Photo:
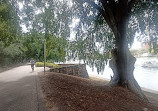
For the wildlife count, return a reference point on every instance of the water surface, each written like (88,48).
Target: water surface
(146,77)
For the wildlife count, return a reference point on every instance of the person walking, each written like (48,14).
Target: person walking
(32,64)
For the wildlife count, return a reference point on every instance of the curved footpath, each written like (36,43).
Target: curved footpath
(20,90)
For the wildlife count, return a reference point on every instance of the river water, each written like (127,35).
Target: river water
(146,77)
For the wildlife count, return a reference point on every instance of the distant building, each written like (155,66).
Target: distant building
(146,44)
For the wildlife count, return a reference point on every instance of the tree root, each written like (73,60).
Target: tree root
(130,85)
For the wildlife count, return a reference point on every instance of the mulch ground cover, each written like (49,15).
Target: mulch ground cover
(68,93)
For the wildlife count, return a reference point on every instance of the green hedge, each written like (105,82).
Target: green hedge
(41,64)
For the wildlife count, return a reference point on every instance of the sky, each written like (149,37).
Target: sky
(136,45)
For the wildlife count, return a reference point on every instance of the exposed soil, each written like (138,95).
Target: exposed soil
(68,93)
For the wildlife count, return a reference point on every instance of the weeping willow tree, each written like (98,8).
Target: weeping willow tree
(102,28)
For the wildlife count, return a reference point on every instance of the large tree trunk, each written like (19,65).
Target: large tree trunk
(122,62)
(123,67)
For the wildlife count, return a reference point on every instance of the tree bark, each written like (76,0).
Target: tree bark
(123,67)
(122,62)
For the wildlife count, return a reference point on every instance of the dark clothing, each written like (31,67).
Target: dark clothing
(32,64)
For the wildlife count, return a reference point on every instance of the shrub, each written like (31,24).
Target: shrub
(41,64)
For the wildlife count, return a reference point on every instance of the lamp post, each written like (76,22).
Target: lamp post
(44,54)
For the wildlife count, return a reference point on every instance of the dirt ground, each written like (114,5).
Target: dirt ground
(68,93)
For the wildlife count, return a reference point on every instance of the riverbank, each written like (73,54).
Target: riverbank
(146,77)
(69,93)
(152,95)
(97,78)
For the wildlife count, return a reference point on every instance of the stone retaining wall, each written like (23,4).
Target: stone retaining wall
(72,69)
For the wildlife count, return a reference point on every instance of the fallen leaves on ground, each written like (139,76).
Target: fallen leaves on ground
(68,93)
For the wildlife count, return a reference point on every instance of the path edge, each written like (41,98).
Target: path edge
(40,95)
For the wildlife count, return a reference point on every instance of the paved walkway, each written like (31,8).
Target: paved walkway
(20,90)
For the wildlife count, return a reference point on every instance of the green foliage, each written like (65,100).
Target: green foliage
(9,27)
(10,46)
(93,55)
(10,54)
(152,51)
(51,24)
(55,47)
(32,46)
(94,38)
(41,64)
(53,17)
